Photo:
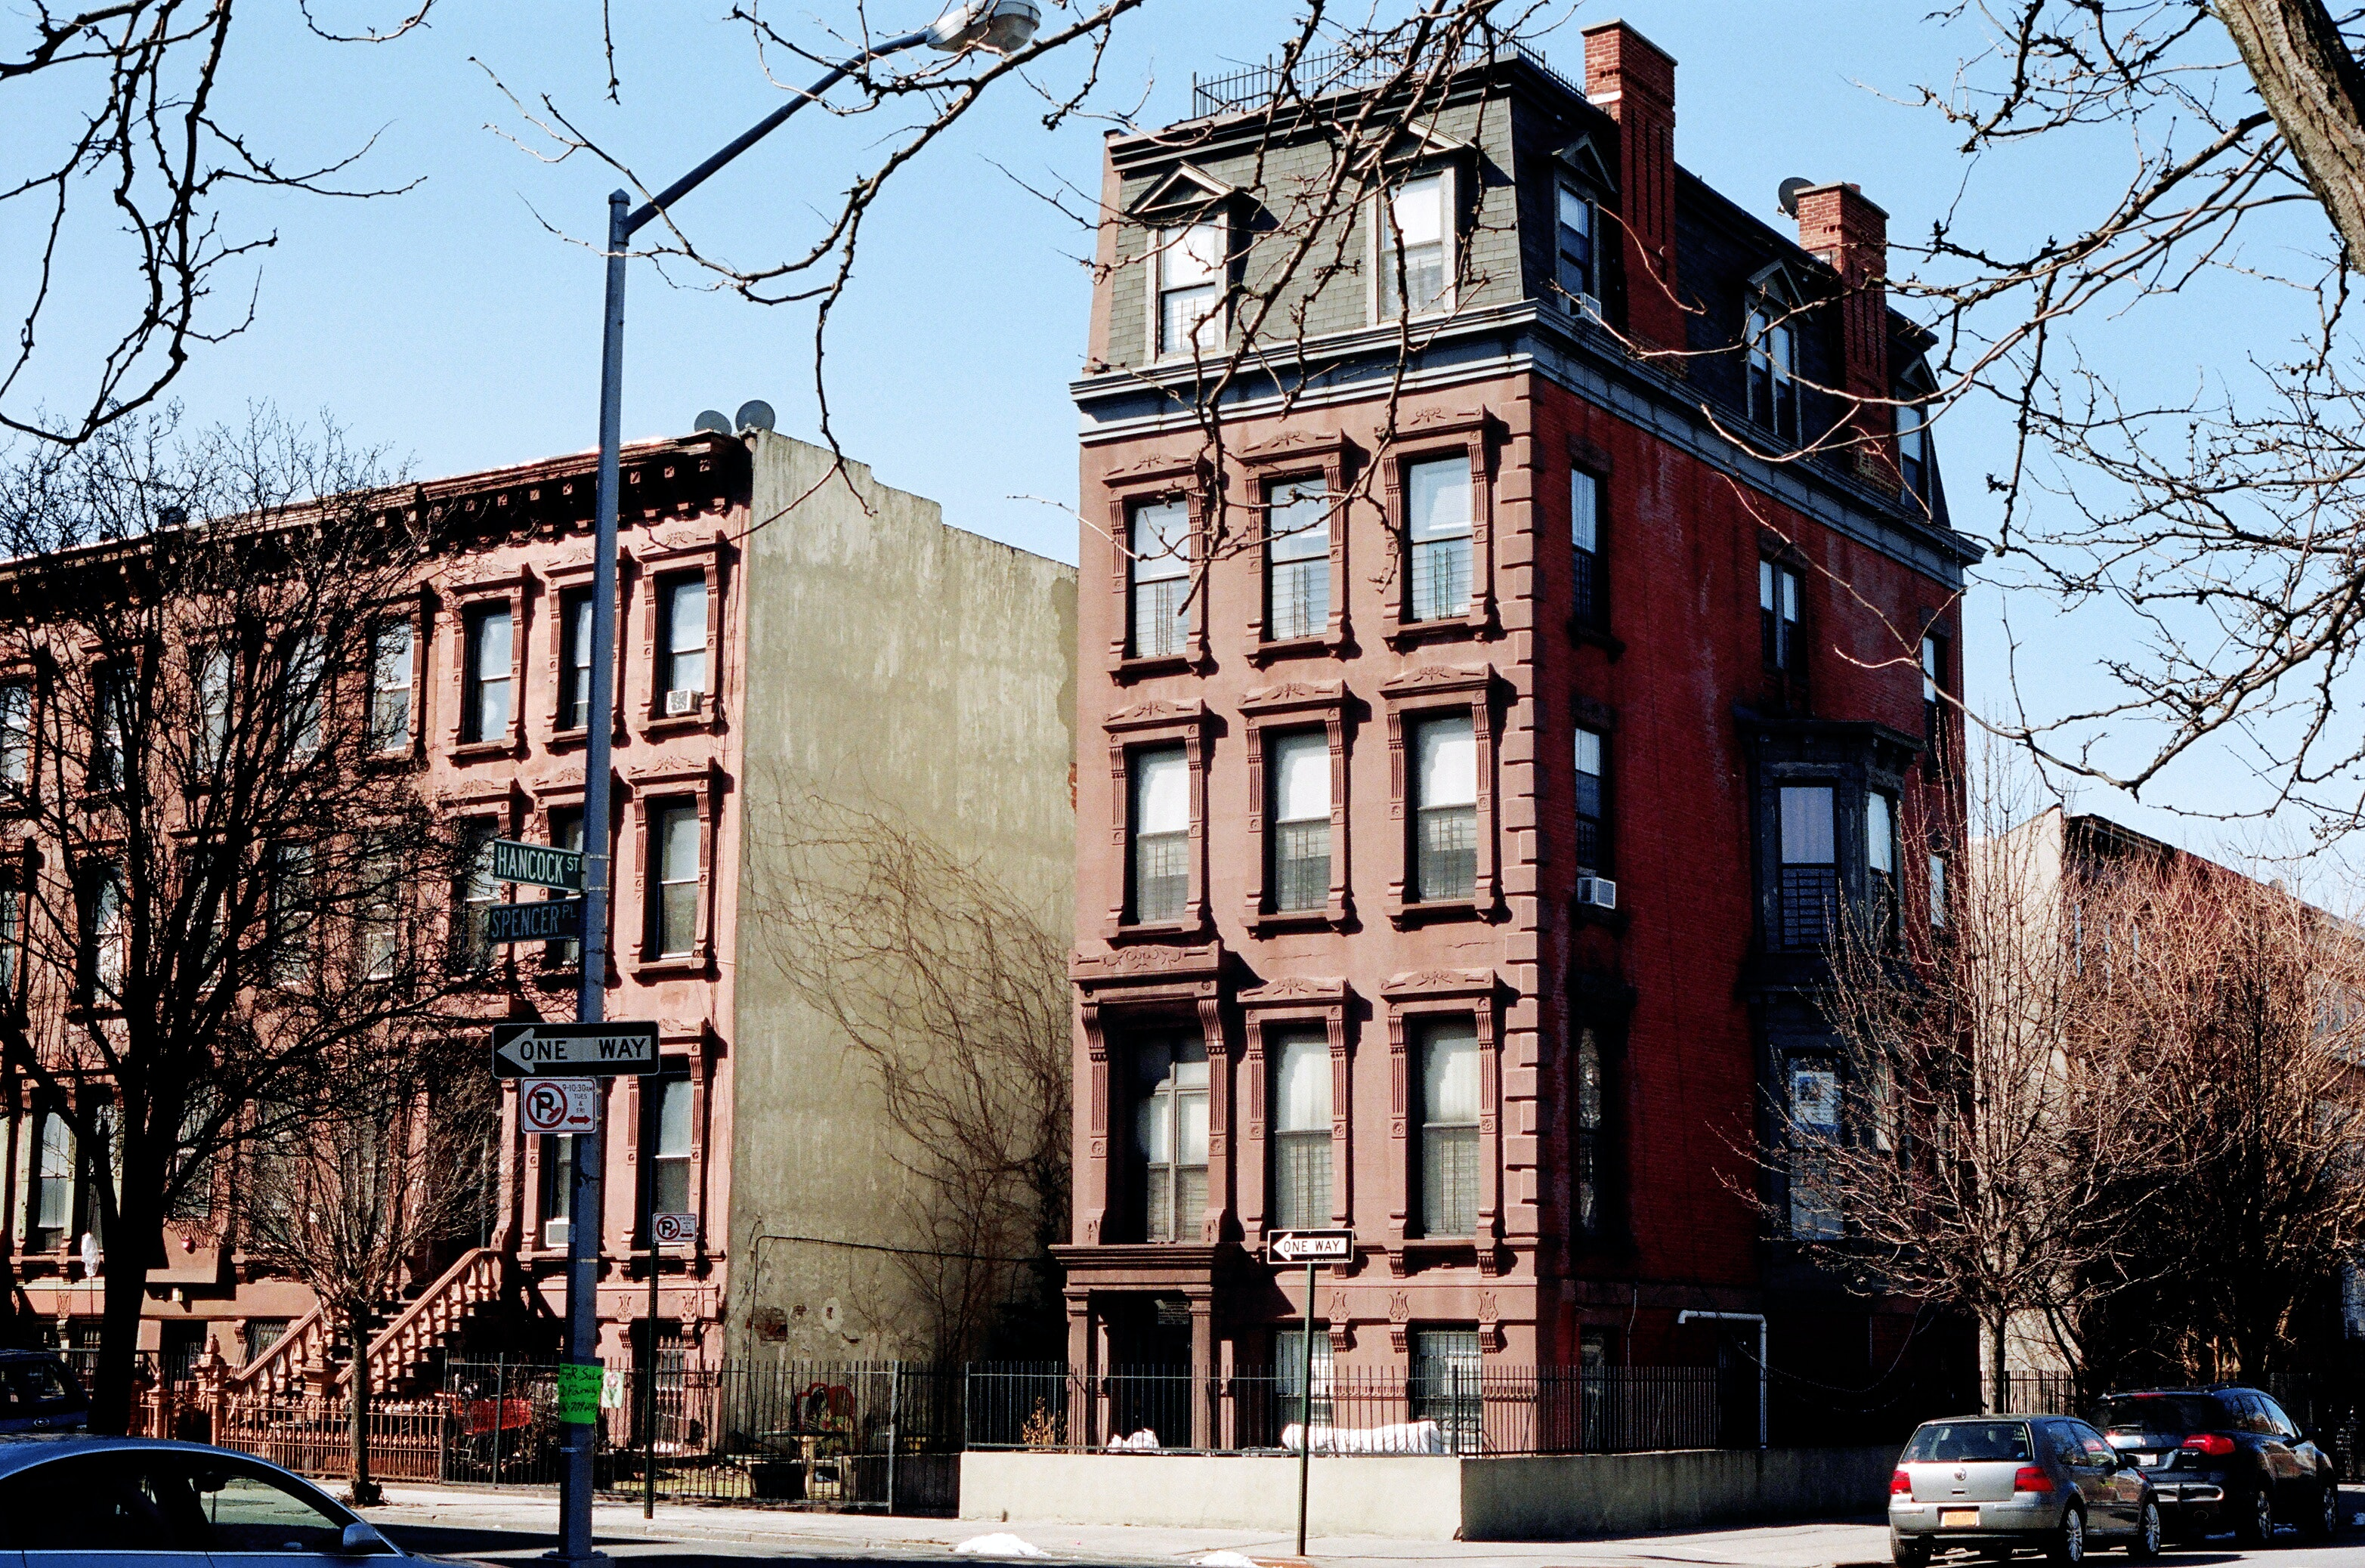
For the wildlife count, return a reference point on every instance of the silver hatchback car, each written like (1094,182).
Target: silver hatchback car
(2007,1482)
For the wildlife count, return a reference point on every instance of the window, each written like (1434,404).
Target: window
(1934,666)
(379,900)
(16,735)
(1810,873)
(390,677)
(1437,530)
(1590,1156)
(1777,614)
(1299,794)
(262,1333)
(307,676)
(1880,861)
(666,1138)
(558,1188)
(50,1214)
(1414,264)
(1445,809)
(1938,892)
(111,730)
(12,943)
(1575,234)
(213,715)
(1170,1138)
(1159,573)
(672,847)
(1289,1370)
(566,833)
(485,701)
(1445,1384)
(1191,267)
(1160,865)
(290,914)
(1301,1130)
(681,657)
(1592,839)
(1296,560)
(1590,601)
(1773,369)
(1814,1123)
(1913,449)
(1447,1171)
(102,912)
(257,1514)
(473,893)
(574,659)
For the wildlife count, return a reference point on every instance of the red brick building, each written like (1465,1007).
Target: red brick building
(1455,855)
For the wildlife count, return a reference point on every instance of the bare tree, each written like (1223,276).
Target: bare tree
(953,991)
(216,851)
(351,1203)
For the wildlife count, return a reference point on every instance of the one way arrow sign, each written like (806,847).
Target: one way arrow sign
(573,1050)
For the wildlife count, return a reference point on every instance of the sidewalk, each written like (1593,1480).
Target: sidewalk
(516,1525)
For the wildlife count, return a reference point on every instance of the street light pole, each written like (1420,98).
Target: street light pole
(998,25)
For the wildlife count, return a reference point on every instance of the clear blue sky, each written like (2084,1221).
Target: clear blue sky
(449,325)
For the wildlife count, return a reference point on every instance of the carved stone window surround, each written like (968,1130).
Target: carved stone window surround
(1151,723)
(1134,986)
(1420,692)
(1301,454)
(703,787)
(1156,479)
(461,599)
(561,581)
(1293,999)
(1293,706)
(1427,435)
(416,610)
(1444,993)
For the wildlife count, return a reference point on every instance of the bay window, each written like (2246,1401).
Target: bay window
(1814,1127)
(1880,862)
(1808,894)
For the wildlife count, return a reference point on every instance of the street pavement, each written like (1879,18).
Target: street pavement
(511,1526)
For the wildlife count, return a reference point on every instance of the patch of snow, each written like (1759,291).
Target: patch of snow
(1224,1560)
(1003,1544)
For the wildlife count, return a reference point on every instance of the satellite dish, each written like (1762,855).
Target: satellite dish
(714,423)
(1787,193)
(755,414)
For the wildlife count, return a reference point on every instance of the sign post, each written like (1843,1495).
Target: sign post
(1312,1248)
(665,1230)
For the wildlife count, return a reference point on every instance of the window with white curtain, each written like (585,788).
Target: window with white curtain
(1440,524)
(1416,254)
(1159,861)
(1170,1137)
(1445,809)
(1297,560)
(1158,575)
(486,696)
(1447,1165)
(1191,267)
(1300,798)
(1301,1129)
(682,636)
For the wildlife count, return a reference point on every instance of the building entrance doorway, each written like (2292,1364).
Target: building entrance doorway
(1151,1375)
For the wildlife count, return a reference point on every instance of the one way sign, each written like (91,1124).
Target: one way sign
(573,1050)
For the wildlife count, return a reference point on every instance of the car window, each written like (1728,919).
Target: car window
(2172,1413)
(2062,1438)
(2278,1418)
(38,1384)
(1957,1443)
(249,1510)
(127,1500)
(2249,1415)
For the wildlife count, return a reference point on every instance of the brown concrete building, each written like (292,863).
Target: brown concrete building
(1454,854)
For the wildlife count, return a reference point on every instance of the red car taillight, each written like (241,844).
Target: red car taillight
(1901,1484)
(2032,1478)
(2210,1443)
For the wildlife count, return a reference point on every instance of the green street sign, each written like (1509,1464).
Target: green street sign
(538,864)
(578,1393)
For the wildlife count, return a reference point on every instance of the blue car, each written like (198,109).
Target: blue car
(73,1501)
(37,1394)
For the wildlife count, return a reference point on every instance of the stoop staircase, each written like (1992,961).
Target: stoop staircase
(396,1353)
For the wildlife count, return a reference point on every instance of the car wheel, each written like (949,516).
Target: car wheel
(1908,1552)
(2067,1548)
(2324,1523)
(2144,1545)
(2253,1522)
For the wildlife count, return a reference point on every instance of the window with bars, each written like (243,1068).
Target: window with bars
(1808,894)
(1170,1137)
(1301,1129)
(390,681)
(474,893)
(674,874)
(1289,1370)
(1444,1385)
(260,1333)
(1590,1125)
(1880,863)
(1447,1168)
(1296,560)
(1590,600)
(1299,793)
(1438,529)
(1416,253)
(1158,575)
(1592,833)
(1574,231)
(1158,835)
(666,1137)
(681,639)
(485,681)
(574,659)
(1773,369)
(1192,264)
(1444,809)
(1777,614)
(557,1195)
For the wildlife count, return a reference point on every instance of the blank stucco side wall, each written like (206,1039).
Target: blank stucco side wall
(904,668)
(1545,1498)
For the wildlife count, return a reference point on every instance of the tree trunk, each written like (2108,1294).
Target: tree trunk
(2312,84)
(365,1493)
(1999,1400)
(139,1221)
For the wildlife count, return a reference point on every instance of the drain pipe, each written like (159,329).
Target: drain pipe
(1759,1319)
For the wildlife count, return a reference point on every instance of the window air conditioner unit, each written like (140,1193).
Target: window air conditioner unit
(678,703)
(1598,892)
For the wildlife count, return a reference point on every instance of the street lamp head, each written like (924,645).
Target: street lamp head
(1000,25)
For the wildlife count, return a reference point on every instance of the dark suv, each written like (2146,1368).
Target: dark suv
(39,1395)
(2225,1459)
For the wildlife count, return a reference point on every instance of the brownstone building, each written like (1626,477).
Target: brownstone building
(1456,847)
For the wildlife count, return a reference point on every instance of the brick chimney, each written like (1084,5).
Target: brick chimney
(1837,224)
(1633,81)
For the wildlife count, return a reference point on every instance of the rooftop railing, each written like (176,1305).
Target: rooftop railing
(1346,69)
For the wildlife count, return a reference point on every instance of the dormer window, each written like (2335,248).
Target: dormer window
(1415,256)
(1773,369)
(1190,265)
(1577,276)
(1914,450)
